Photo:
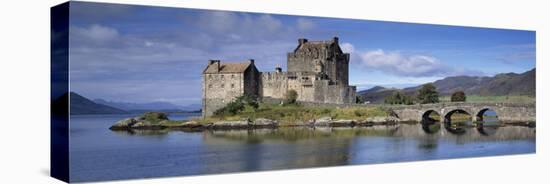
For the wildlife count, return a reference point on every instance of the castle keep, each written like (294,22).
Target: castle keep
(317,71)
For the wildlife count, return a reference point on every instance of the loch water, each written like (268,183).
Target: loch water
(97,153)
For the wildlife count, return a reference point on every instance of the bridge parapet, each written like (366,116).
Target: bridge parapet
(506,112)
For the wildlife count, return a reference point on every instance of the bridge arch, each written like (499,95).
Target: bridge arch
(479,114)
(430,125)
(447,114)
(426,114)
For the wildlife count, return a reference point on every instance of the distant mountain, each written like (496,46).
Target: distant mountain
(82,105)
(498,85)
(376,94)
(151,106)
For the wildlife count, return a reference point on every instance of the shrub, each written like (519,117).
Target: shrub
(238,105)
(428,94)
(458,96)
(359,100)
(154,117)
(291,96)
(359,113)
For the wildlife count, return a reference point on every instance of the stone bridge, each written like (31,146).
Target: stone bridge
(506,112)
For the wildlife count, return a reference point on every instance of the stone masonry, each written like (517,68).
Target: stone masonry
(317,71)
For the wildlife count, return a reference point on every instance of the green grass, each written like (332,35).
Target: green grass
(294,113)
(475,98)
(172,123)
(154,117)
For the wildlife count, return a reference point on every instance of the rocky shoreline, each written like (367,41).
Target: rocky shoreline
(156,120)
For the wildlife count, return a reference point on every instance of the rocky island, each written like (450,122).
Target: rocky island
(160,120)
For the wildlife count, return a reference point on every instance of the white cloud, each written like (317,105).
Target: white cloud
(231,26)
(397,63)
(304,24)
(95,33)
(218,21)
(406,65)
(347,47)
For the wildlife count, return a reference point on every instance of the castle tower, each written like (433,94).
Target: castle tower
(325,57)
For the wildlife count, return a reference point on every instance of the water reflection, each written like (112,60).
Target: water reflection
(487,130)
(455,129)
(430,126)
(413,131)
(98,152)
(261,149)
(297,134)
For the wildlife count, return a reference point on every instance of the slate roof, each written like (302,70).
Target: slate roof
(228,67)
(320,45)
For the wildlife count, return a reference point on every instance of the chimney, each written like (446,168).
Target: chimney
(302,41)
(335,39)
(251,61)
(215,62)
(211,62)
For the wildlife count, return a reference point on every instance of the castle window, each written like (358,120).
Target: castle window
(223,85)
(209,85)
(222,76)
(232,85)
(232,76)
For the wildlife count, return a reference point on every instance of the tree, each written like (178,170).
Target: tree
(428,94)
(291,96)
(399,98)
(458,96)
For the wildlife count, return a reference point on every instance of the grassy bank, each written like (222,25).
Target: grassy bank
(511,99)
(295,113)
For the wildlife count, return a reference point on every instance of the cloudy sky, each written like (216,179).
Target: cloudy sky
(144,54)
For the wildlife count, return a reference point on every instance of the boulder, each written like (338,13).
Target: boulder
(323,121)
(230,124)
(191,124)
(144,124)
(364,123)
(392,119)
(124,124)
(380,120)
(148,120)
(264,123)
(376,119)
(342,123)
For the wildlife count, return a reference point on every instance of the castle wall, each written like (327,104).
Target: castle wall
(335,94)
(220,89)
(342,71)
(309,88)
(273,84)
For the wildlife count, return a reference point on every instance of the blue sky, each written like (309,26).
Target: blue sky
(144,54)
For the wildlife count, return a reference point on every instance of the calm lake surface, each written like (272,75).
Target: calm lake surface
(96,153)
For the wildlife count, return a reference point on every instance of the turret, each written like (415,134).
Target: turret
(278,68)
(302,41)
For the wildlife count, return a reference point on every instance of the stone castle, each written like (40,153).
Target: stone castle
(317,71)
